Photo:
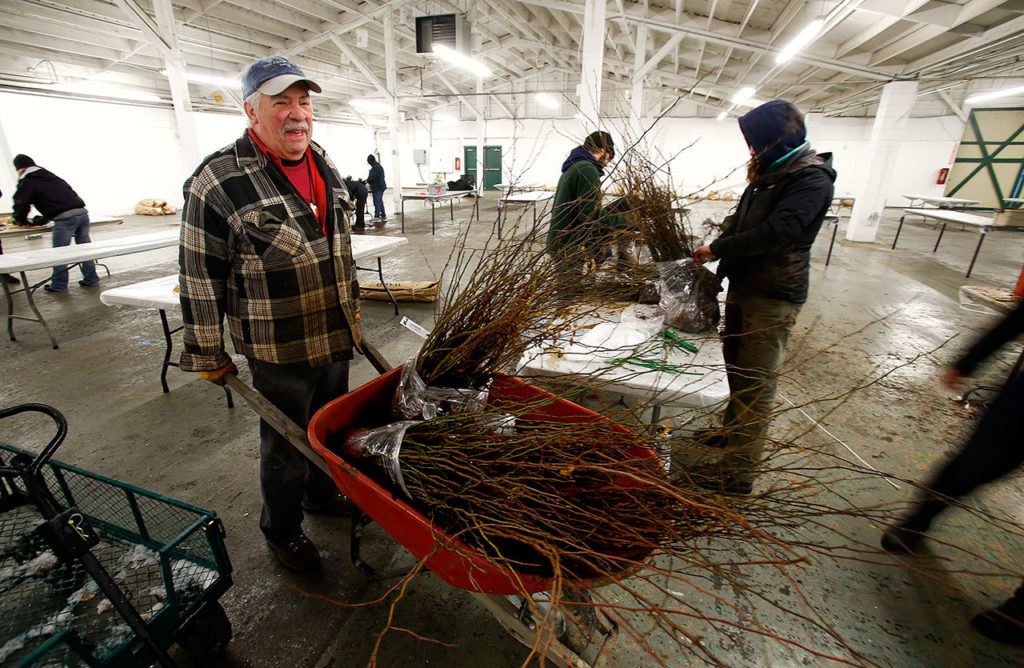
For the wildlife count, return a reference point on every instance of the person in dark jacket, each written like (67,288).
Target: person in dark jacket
(357,191)
(765,251)
(377,185)
(580,226)
(56,201)
(992,452)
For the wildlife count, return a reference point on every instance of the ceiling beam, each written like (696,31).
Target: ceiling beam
(925,33)
(658,56)
(714,37)
(360,65)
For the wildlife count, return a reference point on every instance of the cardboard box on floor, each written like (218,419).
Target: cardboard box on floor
(1009,218)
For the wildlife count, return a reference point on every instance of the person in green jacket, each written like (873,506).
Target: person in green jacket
(580,226)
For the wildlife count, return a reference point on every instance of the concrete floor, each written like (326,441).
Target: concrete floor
(872,310)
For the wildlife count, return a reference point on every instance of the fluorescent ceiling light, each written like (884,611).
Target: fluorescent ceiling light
(546,100)
(743,95)
(994,95)
(461,60)
(752,102)
(98,89)
(446,118)
(802,39)
(371,105)
(722,116)
(209,79)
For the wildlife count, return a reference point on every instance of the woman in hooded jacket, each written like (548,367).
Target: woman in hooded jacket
(765,251)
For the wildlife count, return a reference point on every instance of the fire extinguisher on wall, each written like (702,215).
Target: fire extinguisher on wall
(943,175)
(458,164)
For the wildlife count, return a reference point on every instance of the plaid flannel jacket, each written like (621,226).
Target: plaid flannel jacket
(252,250)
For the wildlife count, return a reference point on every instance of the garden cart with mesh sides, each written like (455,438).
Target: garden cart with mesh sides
(97,572)
(584,640)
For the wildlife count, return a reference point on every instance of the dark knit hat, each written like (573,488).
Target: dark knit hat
(21,161)
(774,130)
(596,141)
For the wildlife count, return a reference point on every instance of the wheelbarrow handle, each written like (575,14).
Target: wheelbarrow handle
(44,456)
(281,423)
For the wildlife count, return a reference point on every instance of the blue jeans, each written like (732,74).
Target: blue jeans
(299,390)
(77,228)
(378,204)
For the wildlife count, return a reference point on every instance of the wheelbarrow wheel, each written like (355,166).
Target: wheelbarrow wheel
(206,632)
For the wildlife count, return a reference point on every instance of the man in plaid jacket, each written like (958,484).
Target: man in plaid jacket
(265,242)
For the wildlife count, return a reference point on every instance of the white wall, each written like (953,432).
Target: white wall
(714,156)
(115,155)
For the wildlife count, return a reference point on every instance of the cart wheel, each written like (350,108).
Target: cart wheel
(206,632)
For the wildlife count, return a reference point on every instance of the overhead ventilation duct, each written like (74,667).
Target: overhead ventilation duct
(451,30)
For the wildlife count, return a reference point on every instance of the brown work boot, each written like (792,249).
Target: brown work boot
(298,554)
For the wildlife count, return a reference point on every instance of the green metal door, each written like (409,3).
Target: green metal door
(469,161)
(492,165)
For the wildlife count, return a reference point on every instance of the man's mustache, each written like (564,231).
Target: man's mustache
(289,127)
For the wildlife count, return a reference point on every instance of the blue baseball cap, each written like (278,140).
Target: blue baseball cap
(273,75)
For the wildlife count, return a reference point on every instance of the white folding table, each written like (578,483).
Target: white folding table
(701,383)
(511,188)
(946,216)
(162,293)
(44,258)
(940,202)
(534,197)
(449,197)
(33,230)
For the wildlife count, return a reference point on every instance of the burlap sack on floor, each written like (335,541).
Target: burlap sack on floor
(404,291)
(154,207)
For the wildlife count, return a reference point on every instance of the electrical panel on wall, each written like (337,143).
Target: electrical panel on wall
(419,156)
(451,30)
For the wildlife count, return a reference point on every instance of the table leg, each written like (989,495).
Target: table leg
(451,209)
(10,305)
(835,228)
(939,240)
(169,346)
(403,215)
(380,274)
(535,215)
(900,227)
(32,304)
(432,210)
(167,356)
(977,248)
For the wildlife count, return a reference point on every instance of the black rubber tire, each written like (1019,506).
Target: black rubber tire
(207,632)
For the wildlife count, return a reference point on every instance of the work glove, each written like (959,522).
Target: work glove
(217,376)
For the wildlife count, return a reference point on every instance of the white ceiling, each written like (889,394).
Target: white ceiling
(701,50)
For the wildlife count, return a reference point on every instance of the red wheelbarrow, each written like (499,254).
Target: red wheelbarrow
(456,563)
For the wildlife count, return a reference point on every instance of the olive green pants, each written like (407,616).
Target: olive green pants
(754,346)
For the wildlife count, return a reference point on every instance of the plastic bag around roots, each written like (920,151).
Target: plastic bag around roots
(380,448)
(415,400)
(689,295)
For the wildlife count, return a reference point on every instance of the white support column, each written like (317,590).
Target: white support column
(480,136)
(893,111)
(591,74)
(8,175)
(395,175)
(188,140)
(636,100)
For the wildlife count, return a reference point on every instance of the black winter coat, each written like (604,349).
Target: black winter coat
(766,245)
(47,192)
